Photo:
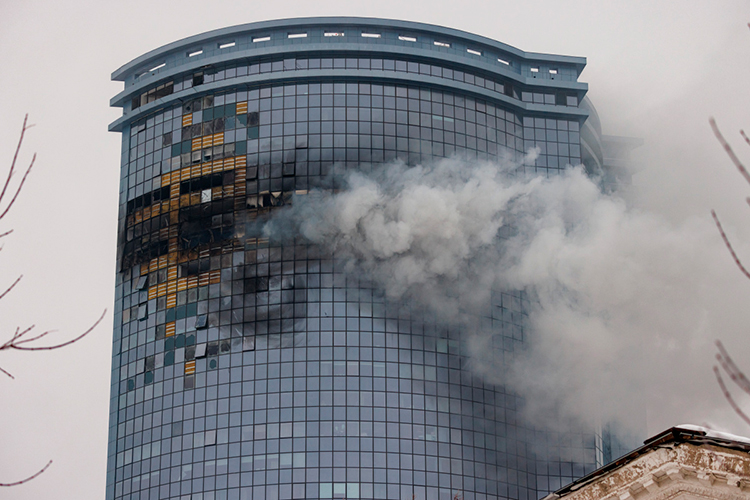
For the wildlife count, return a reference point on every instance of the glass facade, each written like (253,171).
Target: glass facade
(245,368)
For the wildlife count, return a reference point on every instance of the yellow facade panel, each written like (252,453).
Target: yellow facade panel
(170,329)
(187,119)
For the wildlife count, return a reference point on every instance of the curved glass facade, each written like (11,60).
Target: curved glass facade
(246,368)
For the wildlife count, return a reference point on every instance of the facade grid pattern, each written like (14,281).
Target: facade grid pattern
(247,368)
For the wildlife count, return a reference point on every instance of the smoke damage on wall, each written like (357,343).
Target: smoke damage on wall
(622,305)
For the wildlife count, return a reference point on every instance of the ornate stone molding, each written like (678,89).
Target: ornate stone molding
(673,471)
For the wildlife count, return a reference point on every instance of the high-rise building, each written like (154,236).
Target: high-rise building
(247,368)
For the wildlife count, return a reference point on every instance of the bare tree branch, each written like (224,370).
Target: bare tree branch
(19,339)
(16,483)
(725,361)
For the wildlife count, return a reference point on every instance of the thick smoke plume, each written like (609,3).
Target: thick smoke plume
(623,306)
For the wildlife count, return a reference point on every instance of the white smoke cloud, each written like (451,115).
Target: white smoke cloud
(623,308)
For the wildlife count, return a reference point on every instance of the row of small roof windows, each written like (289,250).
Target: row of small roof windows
(404,38)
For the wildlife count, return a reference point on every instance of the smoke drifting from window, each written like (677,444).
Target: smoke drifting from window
(623,305)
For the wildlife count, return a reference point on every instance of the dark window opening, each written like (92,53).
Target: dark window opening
(206,182)
(147,199)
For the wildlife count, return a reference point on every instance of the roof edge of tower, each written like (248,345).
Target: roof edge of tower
(138,63)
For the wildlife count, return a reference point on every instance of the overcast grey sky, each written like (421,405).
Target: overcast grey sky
(656,69)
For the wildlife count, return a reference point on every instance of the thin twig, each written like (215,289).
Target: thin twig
(729,150)
(28,478)
(737,376)
(11,287)
(32,339)
(729,245)
(729,397)
(11,171)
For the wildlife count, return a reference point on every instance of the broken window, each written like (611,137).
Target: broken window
(225,346)
(200,351)
(142,282)
(201,321)
(212,349)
